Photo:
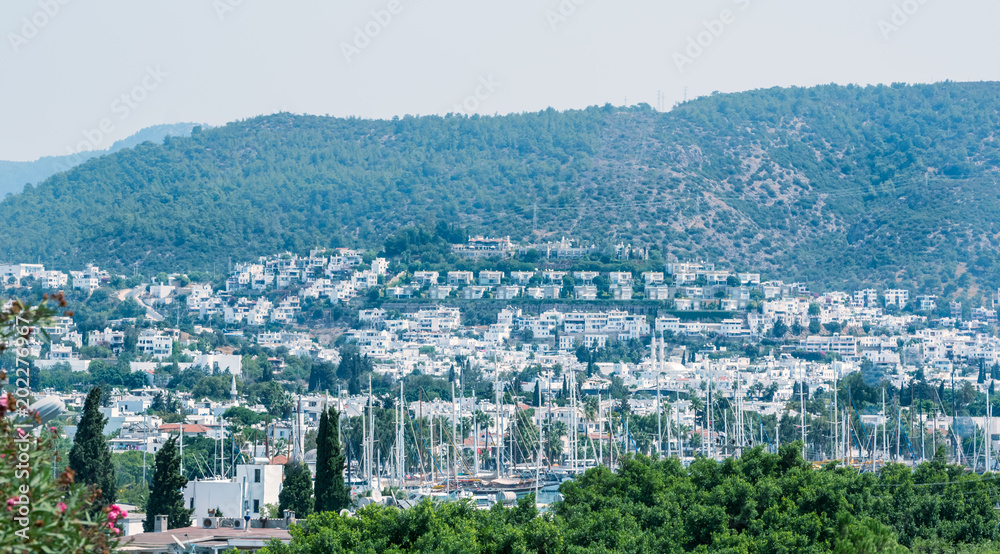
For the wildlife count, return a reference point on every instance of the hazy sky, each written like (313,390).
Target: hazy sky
(69,68)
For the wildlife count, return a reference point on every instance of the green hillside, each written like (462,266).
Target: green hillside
(834,185)
(14,175)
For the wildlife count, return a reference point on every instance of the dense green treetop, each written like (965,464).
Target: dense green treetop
(762,503)
(166,495)
(296,490)
(90,456)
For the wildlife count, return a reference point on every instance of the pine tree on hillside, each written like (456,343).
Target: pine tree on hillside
(332,494)
(297,490)
(165,496)
(90,457)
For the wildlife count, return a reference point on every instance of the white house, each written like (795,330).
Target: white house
(155,343)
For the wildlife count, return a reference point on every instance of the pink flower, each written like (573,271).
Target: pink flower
(20,431)
(115,513)
(62,506)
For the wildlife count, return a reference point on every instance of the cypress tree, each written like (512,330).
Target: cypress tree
(332,494)
(296,492)
(90,457)
(538,392)
(165,493)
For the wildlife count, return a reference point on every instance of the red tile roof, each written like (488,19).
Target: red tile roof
(191,428)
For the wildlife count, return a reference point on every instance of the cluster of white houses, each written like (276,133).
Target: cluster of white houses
(887,329)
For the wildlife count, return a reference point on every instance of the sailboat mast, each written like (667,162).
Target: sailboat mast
(600,428)
(498,434)
(659,423)
(454,432)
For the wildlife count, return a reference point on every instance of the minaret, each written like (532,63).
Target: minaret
(653,352)
(663,352)
(298,452)
(232,390)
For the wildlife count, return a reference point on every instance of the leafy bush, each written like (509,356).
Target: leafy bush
(46,514)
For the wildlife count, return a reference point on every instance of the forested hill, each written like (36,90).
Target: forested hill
(830,184)
(14,175)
